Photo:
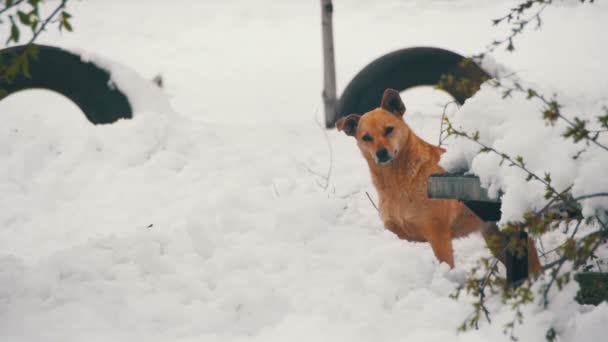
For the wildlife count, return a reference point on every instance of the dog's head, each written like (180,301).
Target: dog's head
(380,133)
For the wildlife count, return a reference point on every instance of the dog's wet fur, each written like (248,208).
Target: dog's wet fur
(400,163)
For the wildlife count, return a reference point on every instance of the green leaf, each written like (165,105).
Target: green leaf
(68,26)
(33,3)
(11,71)
(550,115)
(476,136)
(24,18)
(14,32)
(603,120)
(64,21)
(510,46)
(34,51)
(25,66)
(34,25)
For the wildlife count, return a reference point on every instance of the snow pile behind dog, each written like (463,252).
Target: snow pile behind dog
(193,224)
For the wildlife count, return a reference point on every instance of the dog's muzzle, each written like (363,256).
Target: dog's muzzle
(383,156)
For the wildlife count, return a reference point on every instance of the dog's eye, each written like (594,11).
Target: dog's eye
(367,138)
(388,130)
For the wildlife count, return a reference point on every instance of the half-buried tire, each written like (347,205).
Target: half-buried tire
(85,83)
(407,68)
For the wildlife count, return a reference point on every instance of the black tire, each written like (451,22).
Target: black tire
(86,84)
(405,69)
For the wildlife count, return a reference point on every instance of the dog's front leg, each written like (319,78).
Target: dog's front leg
(395,228)
(441,242)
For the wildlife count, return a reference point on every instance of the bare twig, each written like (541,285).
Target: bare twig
(443,116)
(482,295)
(350,194)
(276,191)
(329,147)
(560,196)
(518,25)
(599,194)
(577,127)
(557,266)
(517,163)
(16,3)
(371,200)
(47,21)
(555,105)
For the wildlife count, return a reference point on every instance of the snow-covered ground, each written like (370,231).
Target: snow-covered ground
(222,211)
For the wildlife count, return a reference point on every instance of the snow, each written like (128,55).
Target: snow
(223,212)
(515,126)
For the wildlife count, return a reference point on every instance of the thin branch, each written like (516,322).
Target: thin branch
(598,130)
(482,295)
(371,200)
(541,246)
(604,226)
(570,123)
(549,204)
(518,25)
(555,272)
(443,116)
(16,3)
(504,156)
(47,21)
(601,233)
(553,108)
(598,194)
(331,151)
(276,191)
(313,172)
(350,194)
(327,176)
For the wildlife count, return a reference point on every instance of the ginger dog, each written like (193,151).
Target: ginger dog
(400,163)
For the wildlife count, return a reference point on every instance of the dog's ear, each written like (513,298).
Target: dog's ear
(391,101)
(349,124)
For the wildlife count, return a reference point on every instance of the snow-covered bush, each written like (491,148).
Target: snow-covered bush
(546,156)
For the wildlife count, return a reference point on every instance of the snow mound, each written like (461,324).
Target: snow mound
(144,95)
(514,126)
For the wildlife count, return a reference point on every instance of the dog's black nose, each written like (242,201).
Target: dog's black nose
(382,155)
